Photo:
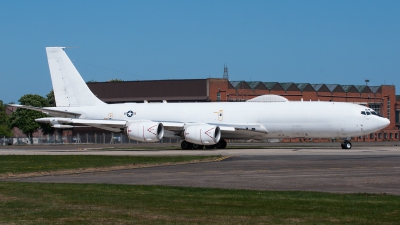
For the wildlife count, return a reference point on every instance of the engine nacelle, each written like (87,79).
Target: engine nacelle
(145,131)
(202,134)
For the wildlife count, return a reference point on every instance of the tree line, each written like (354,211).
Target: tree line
(24,119)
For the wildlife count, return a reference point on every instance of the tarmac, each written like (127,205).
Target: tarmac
(367,168)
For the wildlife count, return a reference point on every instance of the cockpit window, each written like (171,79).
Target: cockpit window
(369,112)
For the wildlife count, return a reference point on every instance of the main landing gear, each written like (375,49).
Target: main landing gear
(187,145)
(346,145)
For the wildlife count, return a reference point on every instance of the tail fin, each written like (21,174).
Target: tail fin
(69,87)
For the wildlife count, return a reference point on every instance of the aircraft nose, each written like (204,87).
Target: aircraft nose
(384,122)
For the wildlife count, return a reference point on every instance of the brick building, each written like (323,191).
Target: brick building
(382,98)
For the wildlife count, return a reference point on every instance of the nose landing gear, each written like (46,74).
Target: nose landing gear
(346,145)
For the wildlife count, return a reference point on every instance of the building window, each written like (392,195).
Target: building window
(391,135)
(397,116)
(375,107)
(388,108)
(397,135)
(385,135)
(371,136)
(218,96)
(380,135)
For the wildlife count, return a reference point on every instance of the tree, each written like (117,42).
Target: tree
(51,99)
(24,119)
(4,128)
(115,80)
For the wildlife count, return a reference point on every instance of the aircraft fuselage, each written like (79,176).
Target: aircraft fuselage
(281,119)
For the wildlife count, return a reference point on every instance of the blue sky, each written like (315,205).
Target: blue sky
(332,42)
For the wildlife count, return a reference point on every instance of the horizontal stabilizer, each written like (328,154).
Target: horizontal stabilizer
(51,111)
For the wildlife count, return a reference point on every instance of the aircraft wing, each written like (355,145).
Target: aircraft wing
(243,131)
(251,130)
(110,125)
(60,122)
(172,129)
(50,112)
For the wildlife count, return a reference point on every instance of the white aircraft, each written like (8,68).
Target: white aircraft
(201,124)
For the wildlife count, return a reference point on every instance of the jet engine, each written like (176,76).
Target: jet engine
(146,131)
(202,134)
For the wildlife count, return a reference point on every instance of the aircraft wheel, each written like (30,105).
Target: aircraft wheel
(186,145)
(221,144)
(196,146)
(346,145)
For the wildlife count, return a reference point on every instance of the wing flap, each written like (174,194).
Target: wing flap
(110,125)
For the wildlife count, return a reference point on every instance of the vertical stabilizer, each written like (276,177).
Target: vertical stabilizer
(69,87)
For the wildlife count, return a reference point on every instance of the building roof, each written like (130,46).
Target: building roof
(197,89)
(256,85)
(155,90)
(240,85)
(349,88)
(320,87)
(289,86)
(273,86)
(375,89)
(305,87)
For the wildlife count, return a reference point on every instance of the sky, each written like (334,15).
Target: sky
(331,41)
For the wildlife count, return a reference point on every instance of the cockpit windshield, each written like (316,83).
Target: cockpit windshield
(369,112)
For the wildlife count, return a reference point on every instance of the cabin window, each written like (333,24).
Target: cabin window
(363,112)
(368,113)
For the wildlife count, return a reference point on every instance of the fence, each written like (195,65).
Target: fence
(78,138)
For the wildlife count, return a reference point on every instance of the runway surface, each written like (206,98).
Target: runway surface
(365,169)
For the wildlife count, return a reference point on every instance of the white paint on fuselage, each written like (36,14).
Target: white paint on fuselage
(281,119)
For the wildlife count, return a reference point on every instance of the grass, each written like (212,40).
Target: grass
(18,164)
(40,203)
(53,203)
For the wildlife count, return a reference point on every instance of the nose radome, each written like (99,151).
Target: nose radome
(384,123)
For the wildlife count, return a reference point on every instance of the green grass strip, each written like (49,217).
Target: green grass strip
(17,164)
(48,203)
